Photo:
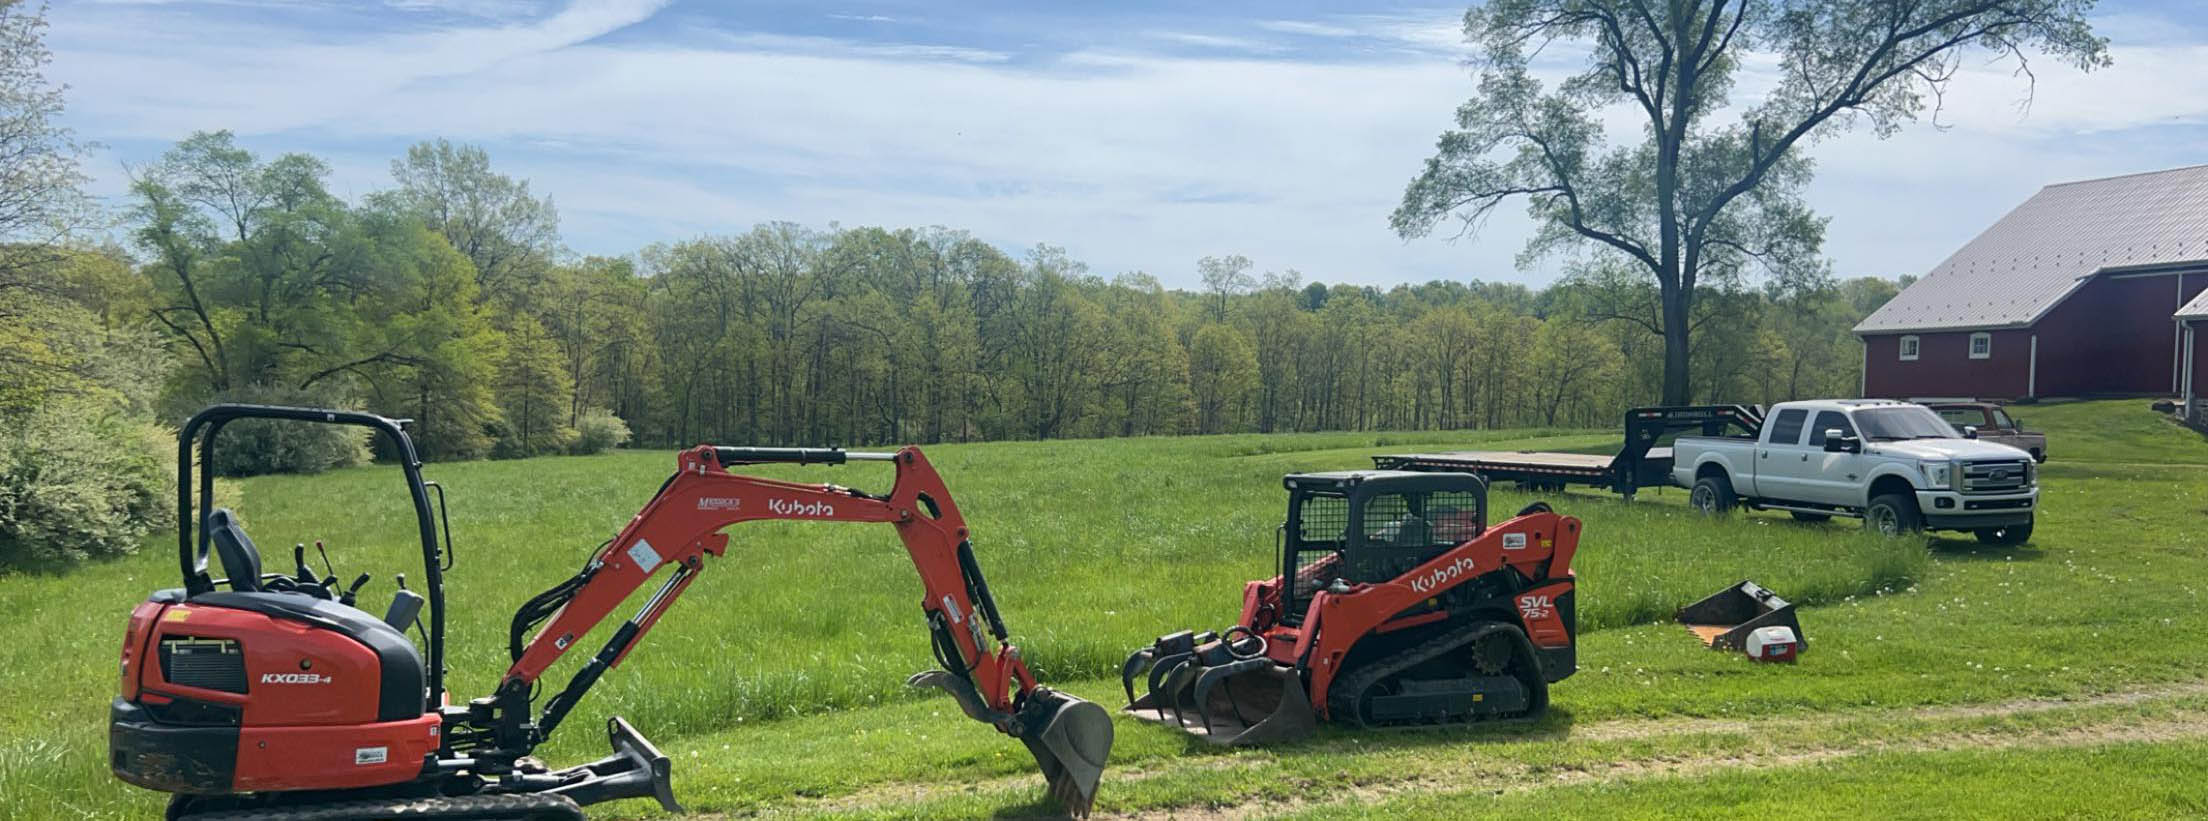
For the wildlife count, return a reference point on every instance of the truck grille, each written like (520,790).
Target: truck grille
(1995,477)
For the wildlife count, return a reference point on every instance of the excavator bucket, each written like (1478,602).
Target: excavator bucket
(1070,738)
(1224,692)
(1724,619)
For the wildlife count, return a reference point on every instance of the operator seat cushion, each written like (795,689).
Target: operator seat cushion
(240,560)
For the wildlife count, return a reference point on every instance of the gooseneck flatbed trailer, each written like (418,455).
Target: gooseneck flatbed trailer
(1642,462)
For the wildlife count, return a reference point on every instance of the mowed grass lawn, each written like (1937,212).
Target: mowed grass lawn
(1962,679)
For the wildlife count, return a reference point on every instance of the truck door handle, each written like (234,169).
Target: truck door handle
(1805,457)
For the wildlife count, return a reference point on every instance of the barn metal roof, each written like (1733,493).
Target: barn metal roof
(2017,270)
(2196,309)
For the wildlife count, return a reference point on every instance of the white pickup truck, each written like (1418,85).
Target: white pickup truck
(1896,465)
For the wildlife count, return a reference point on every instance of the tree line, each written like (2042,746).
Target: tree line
(447,299)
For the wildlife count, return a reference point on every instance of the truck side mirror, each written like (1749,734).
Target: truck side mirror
(1970,431)
(1836,442)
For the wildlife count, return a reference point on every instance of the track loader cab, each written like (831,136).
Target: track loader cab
(1370,526)
(1395,604)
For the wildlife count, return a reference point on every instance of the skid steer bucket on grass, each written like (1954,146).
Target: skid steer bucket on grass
(1224,690)
(1724,619)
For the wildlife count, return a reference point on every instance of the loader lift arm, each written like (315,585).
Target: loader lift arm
(681,525)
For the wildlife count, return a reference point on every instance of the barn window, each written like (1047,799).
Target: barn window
(1981,345)
(1908,349)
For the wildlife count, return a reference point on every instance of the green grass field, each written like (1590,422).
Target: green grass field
(1944,678)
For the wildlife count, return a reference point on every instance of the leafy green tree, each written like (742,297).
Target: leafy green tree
(533,391)
(1697,199)
(508,233)
(1223,278)
(42,201)
(1569,364)
(1222,368)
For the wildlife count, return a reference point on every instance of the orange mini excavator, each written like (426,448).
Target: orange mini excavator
(269,696)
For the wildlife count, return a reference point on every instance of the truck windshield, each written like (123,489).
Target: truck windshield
(1902,423)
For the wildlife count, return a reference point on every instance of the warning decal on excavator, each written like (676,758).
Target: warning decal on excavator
(1514,541)
(645,557)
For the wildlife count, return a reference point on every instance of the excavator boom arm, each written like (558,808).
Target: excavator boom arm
(682,524)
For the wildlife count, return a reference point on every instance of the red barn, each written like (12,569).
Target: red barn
(2192,365)
(2071,294)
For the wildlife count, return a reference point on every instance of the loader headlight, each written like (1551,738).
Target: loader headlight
(1939,474)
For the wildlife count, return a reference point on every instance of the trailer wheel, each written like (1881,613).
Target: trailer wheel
(1893,514)
(2013,535)
(1712,495)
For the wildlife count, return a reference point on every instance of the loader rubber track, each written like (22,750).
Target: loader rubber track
(1346,701)
(514,807)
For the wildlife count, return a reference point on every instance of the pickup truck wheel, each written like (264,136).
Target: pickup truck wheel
(1892,514)
(1810,517)
(2014,535)
(1712,496)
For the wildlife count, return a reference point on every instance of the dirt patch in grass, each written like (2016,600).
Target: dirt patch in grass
(2184,724)
(2176,727)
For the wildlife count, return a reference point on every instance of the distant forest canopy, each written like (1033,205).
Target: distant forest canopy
(448,298)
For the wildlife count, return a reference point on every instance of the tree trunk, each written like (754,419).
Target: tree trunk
(1675,347)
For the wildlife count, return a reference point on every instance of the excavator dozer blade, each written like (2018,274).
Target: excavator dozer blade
(1071,739)
(1257,704)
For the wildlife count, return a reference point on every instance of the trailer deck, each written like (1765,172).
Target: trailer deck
(1640,463)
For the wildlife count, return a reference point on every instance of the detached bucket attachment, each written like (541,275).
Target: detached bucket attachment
(1224,691)
(1724,620)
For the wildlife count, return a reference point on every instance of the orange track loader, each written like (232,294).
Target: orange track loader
(1396,605)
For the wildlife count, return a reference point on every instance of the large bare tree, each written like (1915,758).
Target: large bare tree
(1710,189)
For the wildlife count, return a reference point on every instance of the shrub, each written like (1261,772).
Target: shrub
(600,431)
(79,481)
(250,447)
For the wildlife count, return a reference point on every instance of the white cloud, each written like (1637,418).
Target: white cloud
(1131,160)
(485,9)
(1216,41)
(1307,28)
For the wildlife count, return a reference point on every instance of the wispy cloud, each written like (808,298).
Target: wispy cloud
(1307,27)
(1287,140)
(1219,42)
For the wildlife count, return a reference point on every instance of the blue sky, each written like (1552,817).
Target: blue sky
(1138,135)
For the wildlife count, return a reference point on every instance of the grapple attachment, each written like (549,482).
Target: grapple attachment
(1219,687)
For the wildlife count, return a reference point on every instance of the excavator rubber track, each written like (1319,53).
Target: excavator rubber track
(510,807)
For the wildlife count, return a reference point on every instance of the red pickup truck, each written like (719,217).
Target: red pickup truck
(1992,424)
